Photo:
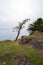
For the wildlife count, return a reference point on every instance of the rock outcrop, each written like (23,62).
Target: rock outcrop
(36,40)
(37,33)
(21,60)
(37,43)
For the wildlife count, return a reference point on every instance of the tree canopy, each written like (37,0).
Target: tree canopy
(36,26)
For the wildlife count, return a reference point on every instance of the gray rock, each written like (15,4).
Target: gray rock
(37,43)
(24,40)
(21,60)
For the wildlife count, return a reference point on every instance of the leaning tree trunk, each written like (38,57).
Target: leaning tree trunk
(17,35)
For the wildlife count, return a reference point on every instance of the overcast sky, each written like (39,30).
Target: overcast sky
(13,11)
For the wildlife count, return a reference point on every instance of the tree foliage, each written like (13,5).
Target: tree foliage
(37,25)
(20,26)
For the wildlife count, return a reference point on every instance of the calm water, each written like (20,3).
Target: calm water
(6,31)
(7,34)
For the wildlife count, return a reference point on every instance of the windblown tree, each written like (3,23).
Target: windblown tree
(36,26)
(19,27)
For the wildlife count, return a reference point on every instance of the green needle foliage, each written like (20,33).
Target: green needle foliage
(36,26)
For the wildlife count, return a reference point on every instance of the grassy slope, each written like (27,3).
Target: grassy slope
(13,48)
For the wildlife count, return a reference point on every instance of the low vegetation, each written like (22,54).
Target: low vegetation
(10,49)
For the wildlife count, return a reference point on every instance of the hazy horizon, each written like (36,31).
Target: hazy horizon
(14,11)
